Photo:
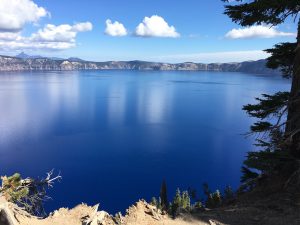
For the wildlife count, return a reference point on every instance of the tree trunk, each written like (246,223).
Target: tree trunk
(293,125)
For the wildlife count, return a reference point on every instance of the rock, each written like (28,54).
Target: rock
(212,222)
(100,218)
(6,214)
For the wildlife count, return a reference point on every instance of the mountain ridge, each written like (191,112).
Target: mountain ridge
(13,63)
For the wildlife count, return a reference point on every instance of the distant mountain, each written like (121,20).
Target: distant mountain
(74,59)
(23,63)
(22,55)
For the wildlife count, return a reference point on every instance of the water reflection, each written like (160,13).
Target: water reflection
(117,97)
(62,91)
(154,103)
(15,109)
(126,129)
(31,102)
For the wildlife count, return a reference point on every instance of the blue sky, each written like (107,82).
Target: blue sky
(196,31)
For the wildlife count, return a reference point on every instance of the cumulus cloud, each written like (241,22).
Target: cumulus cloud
(61,33)
(82,27)
(115,29)
(51,37)
(259,31)
(14,14)
(155,26)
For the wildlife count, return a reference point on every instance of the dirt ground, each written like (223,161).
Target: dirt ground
(278,210)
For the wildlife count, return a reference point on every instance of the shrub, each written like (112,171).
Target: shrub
(28,193)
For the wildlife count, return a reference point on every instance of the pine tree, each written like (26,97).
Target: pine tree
(285,150)
(186,201)
(164,196)
(177,202)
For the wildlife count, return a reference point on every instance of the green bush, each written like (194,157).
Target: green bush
(27,193)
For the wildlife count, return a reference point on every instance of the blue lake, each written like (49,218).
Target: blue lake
(115,135)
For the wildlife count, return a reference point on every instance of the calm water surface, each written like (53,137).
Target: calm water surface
(115,135)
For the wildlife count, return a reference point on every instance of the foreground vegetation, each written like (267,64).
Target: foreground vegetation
(189,201)
(29,194)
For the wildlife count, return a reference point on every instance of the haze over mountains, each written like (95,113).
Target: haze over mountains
(24,62)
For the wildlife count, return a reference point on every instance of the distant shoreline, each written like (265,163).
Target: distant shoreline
(11,64)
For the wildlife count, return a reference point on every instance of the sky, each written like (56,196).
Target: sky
(150,30)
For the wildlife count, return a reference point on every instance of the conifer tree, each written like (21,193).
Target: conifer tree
(280,139)
(176,203)
(177,200)
(186,201)
(164,196)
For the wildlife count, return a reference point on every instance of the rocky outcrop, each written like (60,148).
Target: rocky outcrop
(141,213)
(8,63)
(276,210)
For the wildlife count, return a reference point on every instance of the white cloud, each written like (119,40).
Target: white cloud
(51,37)
(52,33)
(61,33)
(14,14)
(26,43)
(115,29)
(83,27)
(212,57)
(9,36)
(155,26)
(259,31)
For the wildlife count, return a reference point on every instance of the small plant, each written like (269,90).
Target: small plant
(154,201)
(12,188)
(198,205)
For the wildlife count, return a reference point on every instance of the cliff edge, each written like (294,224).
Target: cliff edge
(277,210)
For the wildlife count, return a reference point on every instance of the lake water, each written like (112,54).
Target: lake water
(115,135)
